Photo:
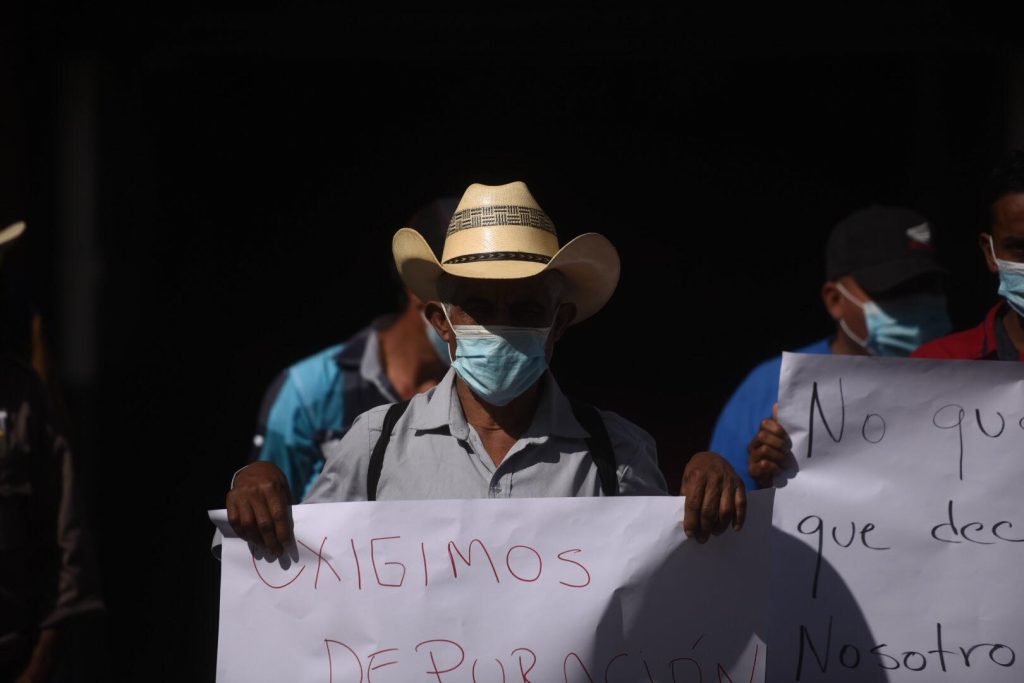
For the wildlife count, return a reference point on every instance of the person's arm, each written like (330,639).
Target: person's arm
(77,590)
(741,415)
(285,436)
(731,436)
(79,581)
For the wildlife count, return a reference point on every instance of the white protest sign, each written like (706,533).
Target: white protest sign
(541,590)
(900,540)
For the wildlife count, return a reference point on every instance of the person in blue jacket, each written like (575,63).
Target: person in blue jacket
(883,290)
(315,400)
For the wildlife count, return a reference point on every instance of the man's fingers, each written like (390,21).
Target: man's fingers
(726,507)
(265,525)
(768,445)
(766,453)
(764,468)
(773,427)
(259,508)
(773,441)
(280,513)
(709,508)
(233,517)
(766,475)
(246,523)
(739,507)
(694,492)
(763,472)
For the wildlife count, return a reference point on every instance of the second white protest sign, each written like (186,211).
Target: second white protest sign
(899,540)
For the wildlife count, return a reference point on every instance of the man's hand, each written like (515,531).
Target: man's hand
(715,496)
(259,507)
(769,450)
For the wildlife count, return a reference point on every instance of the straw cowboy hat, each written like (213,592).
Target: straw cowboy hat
(9,234)
(499,232)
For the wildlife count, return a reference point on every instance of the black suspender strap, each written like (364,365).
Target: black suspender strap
(599,444)
(391,418)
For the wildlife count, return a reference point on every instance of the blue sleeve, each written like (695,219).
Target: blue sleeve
(741,418)
(288,428)
(302,405)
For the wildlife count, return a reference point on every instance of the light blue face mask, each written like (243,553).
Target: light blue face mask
(904,324)
(439,344)
(499,362)
(1011,280)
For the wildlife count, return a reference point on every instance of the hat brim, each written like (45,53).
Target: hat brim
(882,277)
(11,233)
(589,263)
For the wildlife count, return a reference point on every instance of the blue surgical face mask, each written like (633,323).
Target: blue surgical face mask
(439,344)
(902,325)
(1011,280)
(499,362)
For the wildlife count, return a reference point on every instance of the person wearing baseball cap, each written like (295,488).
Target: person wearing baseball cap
(502,294)
(1001,335)
(883,290)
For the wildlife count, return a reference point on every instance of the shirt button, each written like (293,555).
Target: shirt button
(495,491)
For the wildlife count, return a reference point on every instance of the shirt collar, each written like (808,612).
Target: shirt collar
(437,412)
(554,416)
(362,352)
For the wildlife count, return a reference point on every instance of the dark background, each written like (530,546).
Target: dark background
(211,193)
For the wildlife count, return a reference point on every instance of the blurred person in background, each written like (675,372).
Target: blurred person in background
(316,400)
(21,322)
(882,288)
(48,582)
(1000,336)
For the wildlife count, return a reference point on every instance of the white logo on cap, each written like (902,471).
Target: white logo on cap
(920,233)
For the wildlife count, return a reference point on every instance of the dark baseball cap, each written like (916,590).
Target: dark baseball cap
(881,247)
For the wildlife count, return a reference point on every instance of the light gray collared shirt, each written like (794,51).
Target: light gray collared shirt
(435,454)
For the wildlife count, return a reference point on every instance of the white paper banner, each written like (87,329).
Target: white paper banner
(901,542)
(541,590)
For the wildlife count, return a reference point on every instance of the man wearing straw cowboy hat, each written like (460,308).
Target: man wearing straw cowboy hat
(497,426)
